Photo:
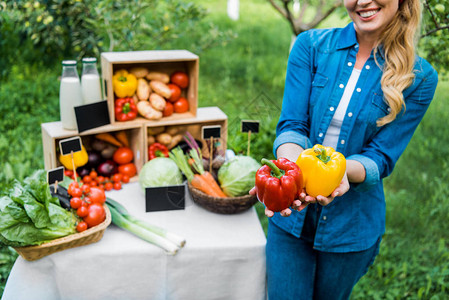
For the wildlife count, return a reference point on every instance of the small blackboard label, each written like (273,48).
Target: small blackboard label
(92,115)
(213,131)
(250,125)
(165,198)
(70,145)
(54,175)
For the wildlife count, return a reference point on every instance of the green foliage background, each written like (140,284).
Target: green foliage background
(242,64)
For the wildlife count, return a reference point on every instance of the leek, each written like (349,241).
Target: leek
(158,236)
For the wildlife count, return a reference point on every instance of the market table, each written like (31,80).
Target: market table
(224,258)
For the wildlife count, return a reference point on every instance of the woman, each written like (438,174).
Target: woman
(362,90)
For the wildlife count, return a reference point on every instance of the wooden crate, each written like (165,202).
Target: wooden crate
(53,132)
(167,61)
(205,116)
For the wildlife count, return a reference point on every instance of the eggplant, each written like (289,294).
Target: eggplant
(62,195)
(94,159)
(108,168)
(83,171)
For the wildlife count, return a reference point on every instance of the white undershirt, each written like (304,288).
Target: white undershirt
(333,132)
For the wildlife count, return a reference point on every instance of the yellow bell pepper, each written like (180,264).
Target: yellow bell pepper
(323,169)
(80,158)
(124,84)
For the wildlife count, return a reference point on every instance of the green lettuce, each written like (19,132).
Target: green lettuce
(238,175)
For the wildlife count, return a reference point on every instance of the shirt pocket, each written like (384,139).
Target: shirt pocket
(378,109)
(318,84)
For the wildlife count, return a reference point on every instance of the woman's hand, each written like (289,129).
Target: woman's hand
(339,191)
(297,205)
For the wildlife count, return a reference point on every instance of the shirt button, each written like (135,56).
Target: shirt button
(331,108)
(349,63)
(324,218)
(359,90)
(341,85)
(367,67)
(342,142)
(321,134)
(350,114)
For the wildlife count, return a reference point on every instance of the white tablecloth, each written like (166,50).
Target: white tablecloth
(224,258)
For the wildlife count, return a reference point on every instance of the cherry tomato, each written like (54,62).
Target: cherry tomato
(168,110)
(175,92)
(101,186)
(75,202)
(180,78)
(123,155)
(128,169)
(68,173)
(86,189)
(72,185)
(108,186)
(93,184)
(86,201)
(125,178)
(97,195)
(117,186)
(93,174)
(77,192)
(87,179)
(100,179)
(95,215)
(82,211)
(181,106)
(117,177)
(81,226)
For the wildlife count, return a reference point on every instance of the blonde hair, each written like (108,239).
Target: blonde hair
(398,42)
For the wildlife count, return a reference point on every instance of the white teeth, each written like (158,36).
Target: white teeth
(368,14)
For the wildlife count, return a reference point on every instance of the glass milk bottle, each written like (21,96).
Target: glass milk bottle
(69,94)
(90,81)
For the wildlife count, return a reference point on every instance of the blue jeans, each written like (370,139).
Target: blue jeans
(296,271)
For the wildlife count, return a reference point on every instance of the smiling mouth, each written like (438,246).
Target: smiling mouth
(367,14)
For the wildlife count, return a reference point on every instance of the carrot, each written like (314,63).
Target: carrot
(109,138)
(199,182)
(209,178)
(122,138)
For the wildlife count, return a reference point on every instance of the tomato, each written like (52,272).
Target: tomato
(97,195)
(128,169)
(93,184)
(86,189)
(72,185)
(123,155)
(82,211)
(87,179)
(108,186)
(175,92)
(81,226)
(181,106)
(68,173)
(75,202)
(180,78)
(168,110)
(100,179)
(117,177)
(95,215)
(93,174)
(117,186)
(125,178)
(77,192)
(86,201)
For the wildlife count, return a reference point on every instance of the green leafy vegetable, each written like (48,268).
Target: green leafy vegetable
(29,215)
(160,171)
(238,175)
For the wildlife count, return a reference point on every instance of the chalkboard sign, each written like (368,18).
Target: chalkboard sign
(55,175)
(92,115)
(70,145)
(250,125)
(165,198)
(213,131)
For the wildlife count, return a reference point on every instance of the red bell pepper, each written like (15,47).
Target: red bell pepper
(278,183)
(157,150)
(125,109)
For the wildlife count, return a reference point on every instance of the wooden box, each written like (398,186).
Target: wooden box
(206,116)
(53,132)
(166,61)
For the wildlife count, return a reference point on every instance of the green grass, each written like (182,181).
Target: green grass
(248,72)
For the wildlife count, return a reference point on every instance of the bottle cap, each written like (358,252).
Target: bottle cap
(69,62)
(89,60)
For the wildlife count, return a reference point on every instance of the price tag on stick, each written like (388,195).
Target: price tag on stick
(211,132)
(55,176)
(92,115)
(70,146)
(250,126)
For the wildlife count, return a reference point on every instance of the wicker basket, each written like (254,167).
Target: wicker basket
(229,205)
(86,237)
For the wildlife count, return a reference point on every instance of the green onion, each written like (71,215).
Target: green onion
(158,236)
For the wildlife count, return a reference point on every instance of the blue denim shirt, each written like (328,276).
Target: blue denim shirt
(319,66)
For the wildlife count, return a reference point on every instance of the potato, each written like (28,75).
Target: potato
(139,72)
(157,101)
(156,130)
(151,139)
(162,77)
(143,89)
(146,110)
(164,138)
(160,88)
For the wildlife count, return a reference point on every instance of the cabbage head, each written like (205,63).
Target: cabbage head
(160,171)
(238,175)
